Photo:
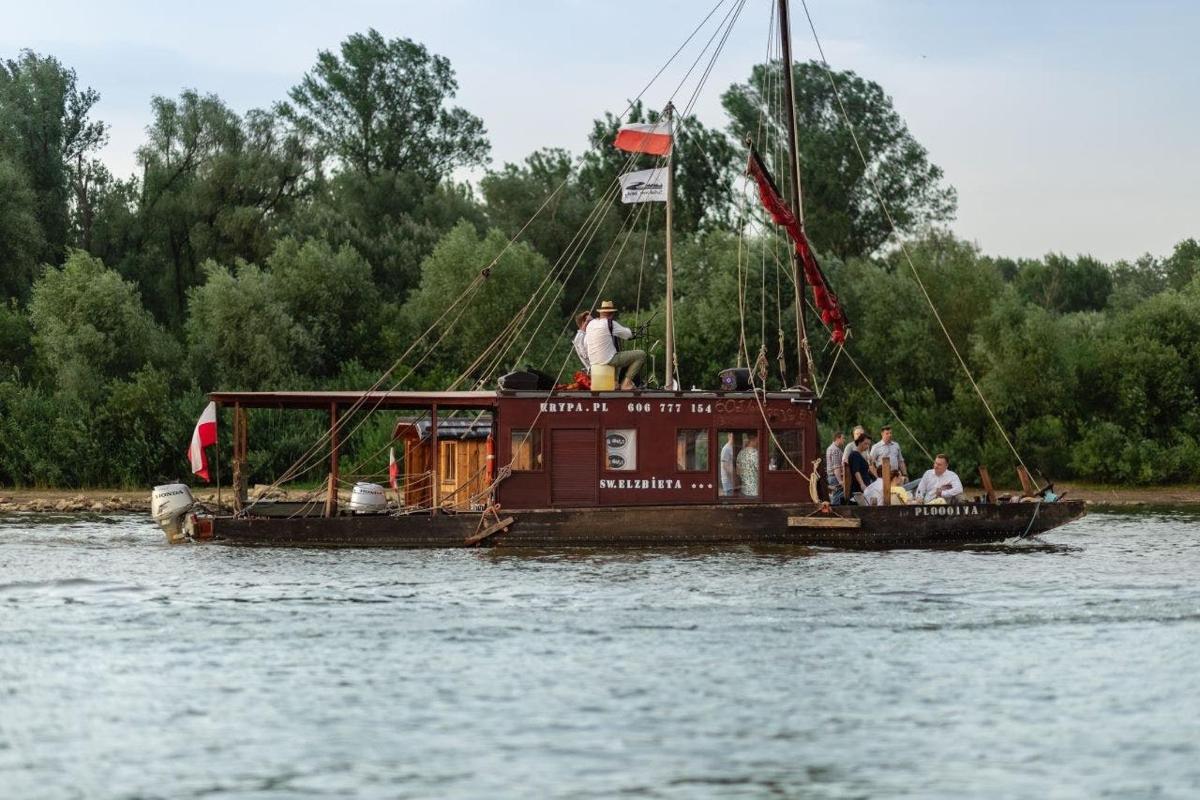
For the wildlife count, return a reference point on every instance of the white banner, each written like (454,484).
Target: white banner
(646,186)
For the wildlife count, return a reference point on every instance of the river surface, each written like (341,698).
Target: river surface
(1062,667)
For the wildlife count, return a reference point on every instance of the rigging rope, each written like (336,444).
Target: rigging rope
(903,248)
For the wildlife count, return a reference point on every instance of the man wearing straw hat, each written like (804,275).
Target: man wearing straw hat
(601,336)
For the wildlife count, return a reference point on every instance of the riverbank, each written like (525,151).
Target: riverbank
(102,501)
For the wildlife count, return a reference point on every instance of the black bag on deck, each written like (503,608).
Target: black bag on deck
(735,379)
(527,380)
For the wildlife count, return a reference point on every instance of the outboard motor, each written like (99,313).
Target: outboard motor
(169,504)
(368,498)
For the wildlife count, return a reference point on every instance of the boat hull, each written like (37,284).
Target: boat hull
(848,527)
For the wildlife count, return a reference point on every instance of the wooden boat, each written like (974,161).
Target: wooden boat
(609,469)
(565,468)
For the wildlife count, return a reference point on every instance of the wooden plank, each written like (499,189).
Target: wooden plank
(886,474)
(1027,488)
(824,522)
(495,527)
(986,479)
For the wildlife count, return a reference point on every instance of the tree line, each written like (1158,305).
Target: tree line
(308,245)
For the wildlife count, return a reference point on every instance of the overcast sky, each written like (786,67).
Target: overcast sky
(1066,125)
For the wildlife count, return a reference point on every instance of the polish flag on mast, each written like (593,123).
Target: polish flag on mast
(645,137)
(204,436)
(393,469)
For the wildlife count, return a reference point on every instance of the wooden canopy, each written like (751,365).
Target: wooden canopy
(374,400)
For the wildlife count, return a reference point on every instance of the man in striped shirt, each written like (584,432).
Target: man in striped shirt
(833,468)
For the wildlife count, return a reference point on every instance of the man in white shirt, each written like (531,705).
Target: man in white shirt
(600,336)
(580,342)
(940,482)
(728,471)
(887,448)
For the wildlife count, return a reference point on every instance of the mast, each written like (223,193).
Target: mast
(785,43)
(669,356)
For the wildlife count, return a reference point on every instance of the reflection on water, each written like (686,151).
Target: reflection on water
(1060,666)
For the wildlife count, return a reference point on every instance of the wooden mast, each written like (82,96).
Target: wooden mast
(785,43)
(669,379)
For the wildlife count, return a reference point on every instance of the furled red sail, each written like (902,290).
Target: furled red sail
(823,297)
(644,137)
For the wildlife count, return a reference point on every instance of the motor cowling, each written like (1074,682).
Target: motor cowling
(368,498)
(169,504)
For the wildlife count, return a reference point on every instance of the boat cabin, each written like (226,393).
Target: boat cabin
(574,449)
(578,449)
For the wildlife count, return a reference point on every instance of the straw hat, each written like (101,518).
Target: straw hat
(607,305)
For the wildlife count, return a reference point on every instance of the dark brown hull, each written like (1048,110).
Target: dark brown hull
(877,528)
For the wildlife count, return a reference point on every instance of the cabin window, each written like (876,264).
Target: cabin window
(787,449)
(739,463)
(527,450)
(691,450)
(446,462)
(620,449)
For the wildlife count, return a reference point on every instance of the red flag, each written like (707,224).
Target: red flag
(393,469)
(205,435)
(648,137)
(827,303)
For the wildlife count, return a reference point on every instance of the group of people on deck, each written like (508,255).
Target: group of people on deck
(854,473)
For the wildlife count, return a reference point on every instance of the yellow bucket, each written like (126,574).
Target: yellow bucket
(604,378)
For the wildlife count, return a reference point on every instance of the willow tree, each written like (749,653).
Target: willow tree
(842,212)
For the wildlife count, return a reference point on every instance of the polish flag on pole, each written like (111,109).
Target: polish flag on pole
(204,436)
(393,469)
(644,137)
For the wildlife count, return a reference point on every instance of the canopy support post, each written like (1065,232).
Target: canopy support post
(331,495)
(435,462)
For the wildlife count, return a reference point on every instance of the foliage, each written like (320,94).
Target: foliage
(331,296)
(240,334)
(381,106)
(841,211)
(20,234)
(90,326)
(45,127)
(515,275)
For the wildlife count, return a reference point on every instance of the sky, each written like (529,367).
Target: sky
(1066,126)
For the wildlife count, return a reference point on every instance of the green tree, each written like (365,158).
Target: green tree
(446,275)
(45,126)
(16,341)
(393,219)
(20,234)
(381,105)
(90,326)
(841,211)
(333,298)
(213,186)
(1063,284)
(240,335)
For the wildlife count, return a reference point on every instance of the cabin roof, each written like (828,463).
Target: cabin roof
(373,400)
(451,428)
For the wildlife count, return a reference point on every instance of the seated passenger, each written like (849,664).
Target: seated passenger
(580,341)
(601,335)
(874,493)
(747,467)
(940,482)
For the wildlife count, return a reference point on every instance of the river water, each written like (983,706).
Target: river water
(1063,667)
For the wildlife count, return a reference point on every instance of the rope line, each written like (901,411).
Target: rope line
(903,248)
